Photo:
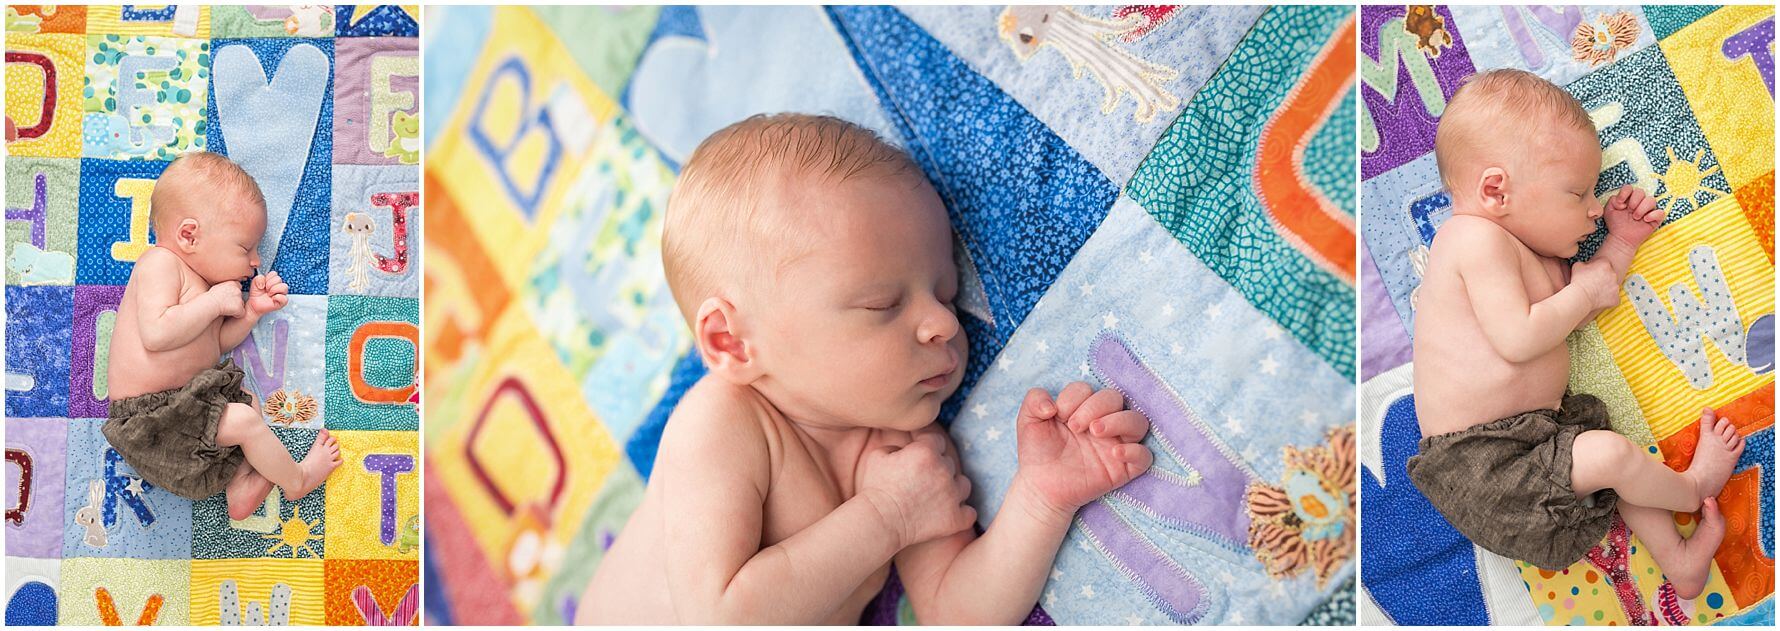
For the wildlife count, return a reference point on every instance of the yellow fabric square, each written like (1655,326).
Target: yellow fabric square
(1729,96)
(1664,394)
(495,156)
(130,585)
(253,582)
(109,20)
(526,437)
(356,511)
(1596,603)
(27,78)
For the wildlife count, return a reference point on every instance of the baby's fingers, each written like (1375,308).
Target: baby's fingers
(1071,398)
(1037,407)
(1133,459)
(1128,426)
(1102,403)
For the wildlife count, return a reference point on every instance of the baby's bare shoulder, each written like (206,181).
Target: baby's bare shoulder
(715,412)
(1465,241)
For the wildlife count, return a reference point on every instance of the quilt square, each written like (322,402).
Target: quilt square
(35,477)
(95,318)
(184,21)
(257,592)
(44,75)
(375,501)
(279,529)
(238,21)
(376,20)
(373,349)
(42,202)
(1725,64)
(114,592)
(144,96)
(39,322)
(1682,330)
(32,592)
(374,231)
(46,18)
(530,447)
(1649,136)
(275,92)
(283,361)
(1406,76)
(114,226)
(377,97)
(373,593)
(109,511)
(1560,43)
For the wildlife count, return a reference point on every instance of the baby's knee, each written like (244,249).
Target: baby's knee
(237,421)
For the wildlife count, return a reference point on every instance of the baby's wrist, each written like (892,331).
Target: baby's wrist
(1024,496)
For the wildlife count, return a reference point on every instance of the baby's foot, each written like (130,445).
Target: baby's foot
(246,493)
(1694,564)
(1715,454)
(323,457)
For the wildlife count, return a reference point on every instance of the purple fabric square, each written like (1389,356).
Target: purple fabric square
(38,446)
(91,304)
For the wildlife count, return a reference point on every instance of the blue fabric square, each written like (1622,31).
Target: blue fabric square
(283,122)
(373,20)
(214,537)
(39,343)
(112,512)
(104,255)
(1417,567)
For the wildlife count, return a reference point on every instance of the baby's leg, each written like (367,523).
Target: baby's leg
(1605,460)
(1686,562)
(241,425)
(246,492)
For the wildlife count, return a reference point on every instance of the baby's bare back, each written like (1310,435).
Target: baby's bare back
(805,482)
(133,369)
(1460,379)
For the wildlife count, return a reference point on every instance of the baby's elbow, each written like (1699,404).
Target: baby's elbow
(1518,350)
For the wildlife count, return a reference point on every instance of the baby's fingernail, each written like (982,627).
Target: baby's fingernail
(1098,426)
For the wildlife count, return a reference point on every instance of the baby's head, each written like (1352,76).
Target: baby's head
(209,211)
(1520,151)
(813,262)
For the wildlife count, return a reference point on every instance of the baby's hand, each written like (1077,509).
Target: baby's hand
(227,295)
(917,489)
(269,293)
(1080,447)
(1598,280)
(1632,215)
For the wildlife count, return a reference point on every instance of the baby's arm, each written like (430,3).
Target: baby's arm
(1517,328)
(1631,217)
(265,295)
(1072,451)
(163,322)
(715,487)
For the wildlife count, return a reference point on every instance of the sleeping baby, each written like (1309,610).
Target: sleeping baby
(814,264)
(179,415)
(1517,464)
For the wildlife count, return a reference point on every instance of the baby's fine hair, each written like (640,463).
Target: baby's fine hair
(213,171)
(1474,113)
(760,163)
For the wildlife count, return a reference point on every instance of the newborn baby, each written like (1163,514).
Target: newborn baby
(179,416)
(814,264)
(1516,464)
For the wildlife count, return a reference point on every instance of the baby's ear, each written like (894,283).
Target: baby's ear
(1492,191)
(720,344)
(186,235)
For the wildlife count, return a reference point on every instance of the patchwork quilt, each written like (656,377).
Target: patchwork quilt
(320,104)
(1683,98)
(1154,199)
